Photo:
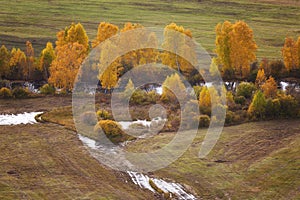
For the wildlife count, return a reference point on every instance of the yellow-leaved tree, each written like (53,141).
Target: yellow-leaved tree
(269,88)
(46,58)
(71,49)
(17,64)
(108,66)
(4,62)
(105,31)
(235,48)
(177,41)
(173,89)
(290,53)
(29,61)
(260,77)
(66,64)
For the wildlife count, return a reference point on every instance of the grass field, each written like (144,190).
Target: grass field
(38,21)
(257,160)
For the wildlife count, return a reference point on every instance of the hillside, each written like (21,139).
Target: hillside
(39,21)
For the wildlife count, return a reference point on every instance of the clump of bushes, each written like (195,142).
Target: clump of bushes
(240,100)
(103,115)
(5,93)
(112,130)
(245,89)
(89,118)
(20,93)
(141,97)
(47,89)
(204,121)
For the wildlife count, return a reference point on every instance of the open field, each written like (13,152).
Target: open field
(257,160)
(39,21)
(46,161)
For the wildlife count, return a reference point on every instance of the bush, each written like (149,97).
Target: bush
(288,106)
(5,93)
(273,108)
(112,130)
(138,97)
(20,93)
(229,117)
(245,89)
(103,115)
(47,89)
(204,121)
(89,118)
(240,100)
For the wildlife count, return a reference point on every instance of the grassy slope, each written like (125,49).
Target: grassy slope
(46,161)
(40,20)
(254,160)
(250,161)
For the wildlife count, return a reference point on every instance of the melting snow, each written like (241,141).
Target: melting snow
(24,118)
(175,188)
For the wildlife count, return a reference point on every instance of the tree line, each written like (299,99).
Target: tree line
(58,65)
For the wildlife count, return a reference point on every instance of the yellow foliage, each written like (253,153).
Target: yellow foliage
(260,77)
(64,68)
(290,53)
(235,47)
(270,88)
(105,31)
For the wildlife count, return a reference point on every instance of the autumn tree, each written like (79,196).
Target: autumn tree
(4,62)
(290,53)
(177,41)
(105,31)
(269,88)
(71,49)
(257,107)
(65,66)
(129,89)
(235,48)
(46,58)
(29,61)
(17,64)
(173,88)
(108,66)
(260,77)
(204,98)
(265,65)
(76,33)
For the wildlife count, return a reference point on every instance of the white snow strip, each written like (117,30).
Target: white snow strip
(175,188)
(125,124)
(24,118)
(88,142)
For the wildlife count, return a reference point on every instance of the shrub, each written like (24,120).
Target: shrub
(245,89)
(5,93)
(20,93)
(112,130)
(229,117)
(89,118)
(47,89)
(103,115)
(273,108)
(138,97)
(257,107)
(288,105)
(204,121)
(240,100)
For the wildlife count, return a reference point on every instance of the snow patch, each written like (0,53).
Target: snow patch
(23,118)
(175,188)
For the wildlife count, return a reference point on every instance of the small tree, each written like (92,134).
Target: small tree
(257,107)
(270,88)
